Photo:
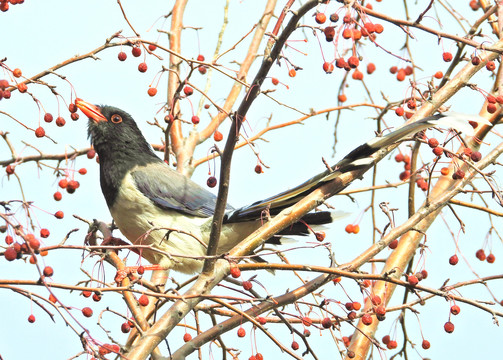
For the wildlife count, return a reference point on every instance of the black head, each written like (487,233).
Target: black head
(119,143)
(111,128)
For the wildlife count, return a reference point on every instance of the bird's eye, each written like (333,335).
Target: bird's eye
(116,118)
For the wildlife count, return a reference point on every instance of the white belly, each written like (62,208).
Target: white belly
(140,221)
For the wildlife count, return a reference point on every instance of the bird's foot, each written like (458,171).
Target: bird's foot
(132,272)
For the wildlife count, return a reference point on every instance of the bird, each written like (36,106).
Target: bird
(154,205)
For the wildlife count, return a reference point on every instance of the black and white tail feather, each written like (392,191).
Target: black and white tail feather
(359,158)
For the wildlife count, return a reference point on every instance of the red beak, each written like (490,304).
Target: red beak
(90,110)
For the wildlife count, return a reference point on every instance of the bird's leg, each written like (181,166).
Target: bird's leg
(133,271)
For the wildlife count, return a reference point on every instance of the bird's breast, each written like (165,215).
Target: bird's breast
(144,223)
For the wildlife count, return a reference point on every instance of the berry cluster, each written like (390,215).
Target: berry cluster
(4,4)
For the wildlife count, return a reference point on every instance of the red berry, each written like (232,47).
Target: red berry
(392,345)
(91,154)
(140,270)
(491,258)
(57,196)
(475,60)
(490,65)
(142,67)
(342,98)
(367,319)
(426,344)
(449,327)
(455,310)
(82,171)
(6,94)
(439,75)
(97,297)
(17,73)
(73,185)
(10,254)
(200,57)
(400,76)
(125,328)
(187,337)
(380,310)
(453,260)
(143,300)
(320,18)
(274,81)
(356,229)
(87,312)
(63,183)
(39,132)
(349,228)
(404,175)
(48,271)
(447,56)
(476,156)
(48,118)
(306,321)
(151,91)
(412,279)
(433,143)
(371,68)
(262,320)
(211,182)
(241,332)
(480,254)
(386,339)
(152,47)
(235,272)
(60,121)
(22,87)
(31,318)
(195,119)
(320,235)
(217,136)
(86,293)
(329,32)
(9,240)
(187,90)
(353,62)
(59,214)
(136,51)
(491,108)
(375,299)
(326,323)
(258,169)
(334,17)
(34,243)
(295,345)
(328,67)
(122,56)
(247,285)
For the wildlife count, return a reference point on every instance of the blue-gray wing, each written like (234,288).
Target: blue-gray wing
(168,189)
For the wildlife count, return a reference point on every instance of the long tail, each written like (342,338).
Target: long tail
(359,158)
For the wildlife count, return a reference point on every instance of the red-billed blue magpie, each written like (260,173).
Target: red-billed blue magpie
(152,204)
